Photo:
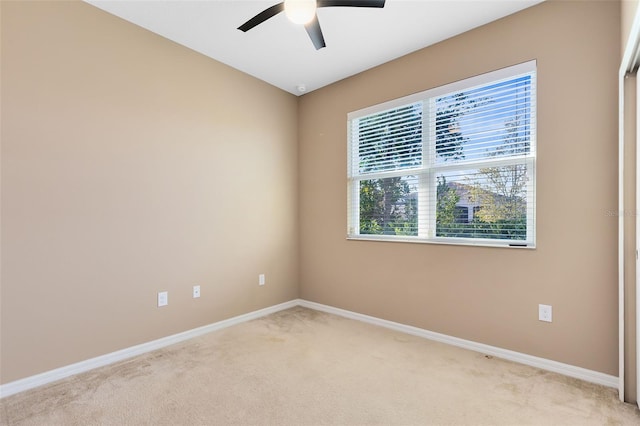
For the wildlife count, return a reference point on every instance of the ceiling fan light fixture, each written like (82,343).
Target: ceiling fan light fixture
(300,11)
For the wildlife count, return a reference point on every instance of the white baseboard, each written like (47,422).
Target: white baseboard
(31,382)
(100,361)
(534,361)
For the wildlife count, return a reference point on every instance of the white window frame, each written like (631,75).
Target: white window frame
(428,171)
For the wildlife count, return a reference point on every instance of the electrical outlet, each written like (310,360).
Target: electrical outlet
(196,291)
(261,279)
(163,298)
(545,313)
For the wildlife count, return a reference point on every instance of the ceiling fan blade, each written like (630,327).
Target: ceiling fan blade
(262,16)
(315,33)
(350,3)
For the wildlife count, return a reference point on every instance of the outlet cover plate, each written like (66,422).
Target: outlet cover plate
(196,291)
(545,313)
(163,298)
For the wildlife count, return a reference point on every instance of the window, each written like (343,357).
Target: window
(454,164)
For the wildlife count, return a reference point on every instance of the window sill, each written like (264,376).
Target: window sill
(444,241)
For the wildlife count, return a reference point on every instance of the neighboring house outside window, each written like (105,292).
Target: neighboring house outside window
(454,164)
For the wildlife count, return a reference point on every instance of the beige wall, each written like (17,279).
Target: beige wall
(488,295)
(132,165)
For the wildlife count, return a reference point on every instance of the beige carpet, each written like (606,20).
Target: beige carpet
(302,367)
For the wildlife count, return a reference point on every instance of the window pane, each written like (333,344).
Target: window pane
(485,122)
(390,140)
(483,203)
(389,206)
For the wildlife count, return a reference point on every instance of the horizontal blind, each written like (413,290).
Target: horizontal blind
(485,122)
(390,140)
(448,165)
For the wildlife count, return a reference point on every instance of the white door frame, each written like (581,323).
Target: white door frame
(629,65)
(621,263)
(637,245)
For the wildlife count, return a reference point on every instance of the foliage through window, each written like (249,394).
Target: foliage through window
(452,164)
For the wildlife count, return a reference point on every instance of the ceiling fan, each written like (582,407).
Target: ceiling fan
(304,12)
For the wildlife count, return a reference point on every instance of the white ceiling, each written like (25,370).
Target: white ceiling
(281,53)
